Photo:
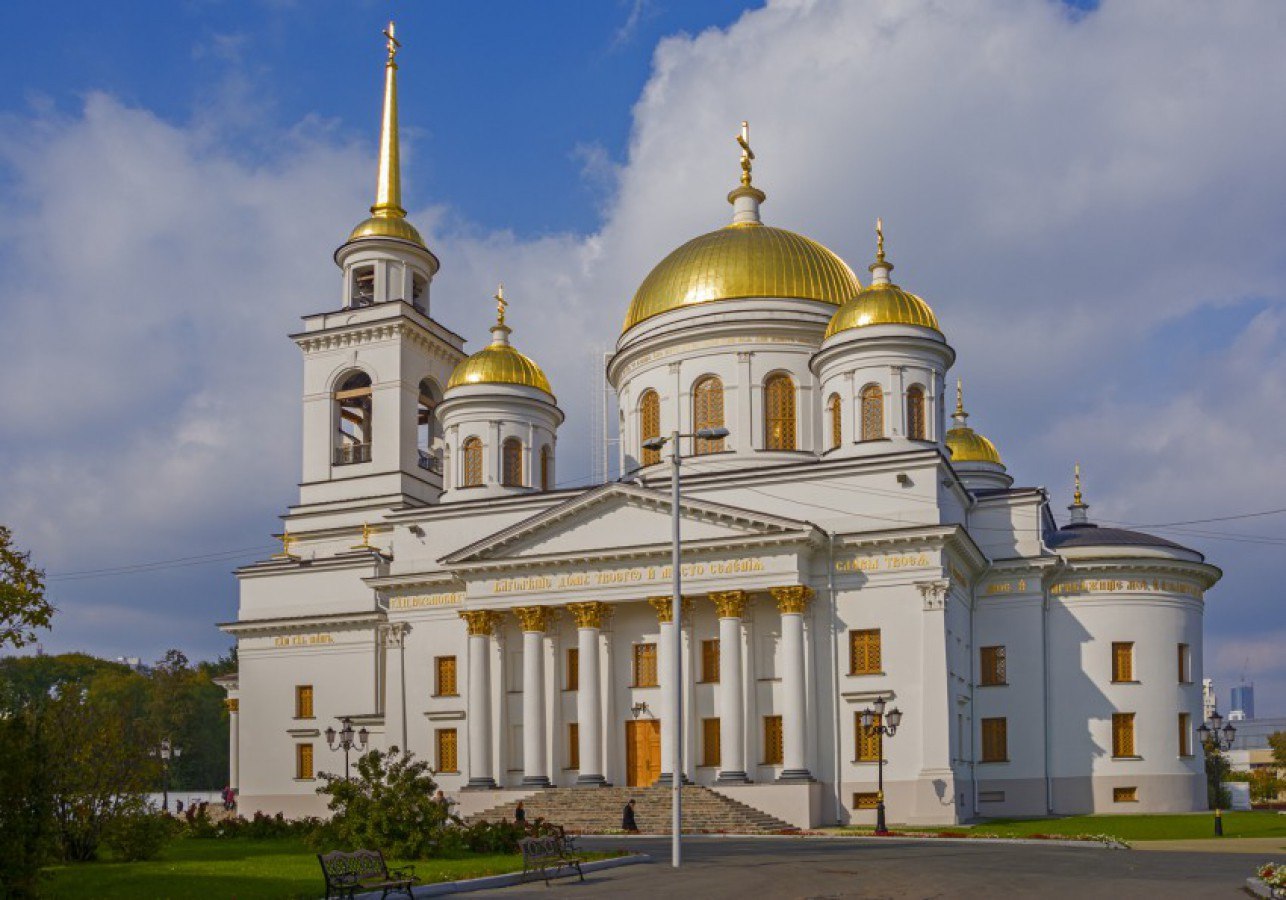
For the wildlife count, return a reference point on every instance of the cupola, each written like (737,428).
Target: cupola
(975,458)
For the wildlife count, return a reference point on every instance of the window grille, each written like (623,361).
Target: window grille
(447,757)
(710,660)
(872,413)
(868,740)
(303,701)
(573,745)
(993,666)
(1125,795)
(511,471)
(710,751)
(1122,661)
(915,413)
(779,412)
(1123,735)
(471,469)
(772,740)
(303,760)
(445,685)
(573,668)
(645,665)
(649,425)
(864,652)
(995,740)
(834,408)
(707,412)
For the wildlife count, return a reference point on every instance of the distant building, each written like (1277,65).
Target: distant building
(1243,702)
(1250,748)
(1208,700)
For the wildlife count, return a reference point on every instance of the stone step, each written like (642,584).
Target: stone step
(596,810)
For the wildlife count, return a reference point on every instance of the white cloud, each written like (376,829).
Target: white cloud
(1092,204)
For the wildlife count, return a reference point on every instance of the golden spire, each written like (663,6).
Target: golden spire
(960,398)
(501,304)
(879,239)
(747,155)
(1076,495)
(388,185)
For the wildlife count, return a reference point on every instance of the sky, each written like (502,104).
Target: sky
(1090,196)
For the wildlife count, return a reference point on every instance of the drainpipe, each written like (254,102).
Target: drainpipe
(835,633)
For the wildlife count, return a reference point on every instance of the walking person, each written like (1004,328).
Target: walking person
(627,819)
(520,814)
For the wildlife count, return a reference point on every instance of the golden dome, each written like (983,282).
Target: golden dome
(967,445)
(883,304)
(500,364)
(743,260)
(387,227)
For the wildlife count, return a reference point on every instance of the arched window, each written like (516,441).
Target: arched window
(707,411)
(649,425)
(779,412)
(546,469)
(511,463)
(353,420)
(834,411)
(471,463)
(428,436)
(915,412)
(872,413)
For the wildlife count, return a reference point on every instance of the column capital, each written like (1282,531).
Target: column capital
(730,604)
(481,621)
(232,704)
(664,607)
(534,618)
(792,598)
(934,594)
(395,634)
(589,614)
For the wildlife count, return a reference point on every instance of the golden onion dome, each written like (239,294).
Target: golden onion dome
(743,260)
(883,304)
(387,227)
(965,444)
(499,362)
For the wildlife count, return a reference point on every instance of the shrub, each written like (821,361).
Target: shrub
(199,825)
(137,833)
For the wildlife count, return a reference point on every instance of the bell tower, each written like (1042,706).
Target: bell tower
(376,367)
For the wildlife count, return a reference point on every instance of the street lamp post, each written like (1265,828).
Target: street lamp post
(166,750)
(875,722)
(1219,739)
(676,666)
(346,740)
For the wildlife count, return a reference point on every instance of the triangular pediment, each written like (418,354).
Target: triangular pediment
(619,518)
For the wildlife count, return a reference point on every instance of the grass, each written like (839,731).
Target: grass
(239,869)
(1186,826)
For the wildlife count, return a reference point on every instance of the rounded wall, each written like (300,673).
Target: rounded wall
(401,271)
(494,414)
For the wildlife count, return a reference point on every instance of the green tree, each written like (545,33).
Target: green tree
(26,805)
(1217,769)
(1277,740)
(187,707)
(23,607)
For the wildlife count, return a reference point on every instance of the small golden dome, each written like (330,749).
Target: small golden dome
(743,260)
(967,445)
(387,227)
(500,364)
(883,304)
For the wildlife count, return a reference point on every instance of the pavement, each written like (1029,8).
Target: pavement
(892,869)
(1274,847)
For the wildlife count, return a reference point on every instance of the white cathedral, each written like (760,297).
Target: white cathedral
(852,539)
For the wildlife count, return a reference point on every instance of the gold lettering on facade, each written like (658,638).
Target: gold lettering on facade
(635,575)
(303,640)
(422,600)
(881,563)
(1133,585)
(1007,587)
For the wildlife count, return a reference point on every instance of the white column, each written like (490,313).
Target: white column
(535,770)
(481,624)
(234,742)
(731,606)
(792,601)
(664,655)
(589,701)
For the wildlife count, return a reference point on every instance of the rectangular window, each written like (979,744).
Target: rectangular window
(444,684)
(573,668)
(1123,661)
(1125,795)
(710,742)
(1185,734)
(1185,665)
(866,800)
(303,760)
(991,796)
(866,742)
(304,702)
(993,666)
(995,740)
(645,665)
(1123,735)
(447,757)
(864,652)
(710,660)
(772,740)
(573,745)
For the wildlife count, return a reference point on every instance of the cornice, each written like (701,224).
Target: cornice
(288,624)
(359,334)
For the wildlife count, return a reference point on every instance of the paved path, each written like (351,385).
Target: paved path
(789,868)
(1269,846)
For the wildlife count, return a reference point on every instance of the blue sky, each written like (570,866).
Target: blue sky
(1091,196)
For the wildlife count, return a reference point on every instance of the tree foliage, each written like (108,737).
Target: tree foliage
(26,807)
(23,607)
(1217,769)
(1277,740)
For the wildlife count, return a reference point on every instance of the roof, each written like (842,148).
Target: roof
(1087,534)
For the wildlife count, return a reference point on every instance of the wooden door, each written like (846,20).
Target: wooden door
(642,752)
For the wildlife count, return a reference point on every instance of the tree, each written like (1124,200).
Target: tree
(1277,740)
(23,607)
(1217,769)
(26,806)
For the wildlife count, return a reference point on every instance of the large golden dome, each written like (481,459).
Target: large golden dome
(500,364)
(743,260)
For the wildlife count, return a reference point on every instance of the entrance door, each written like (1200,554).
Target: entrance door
(642,752)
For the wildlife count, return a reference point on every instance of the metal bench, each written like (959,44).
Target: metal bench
(546,857)
(348,874)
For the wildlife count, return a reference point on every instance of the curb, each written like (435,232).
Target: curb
(488,882)
(1042,842)
(1257,888)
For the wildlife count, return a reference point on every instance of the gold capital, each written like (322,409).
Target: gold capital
(730,604)
(792,598)
(481,621)
(533,618)
(588,615)
(232,704)
(664,607)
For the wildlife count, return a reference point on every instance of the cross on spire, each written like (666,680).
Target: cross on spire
(393,43)
(743,139)
(501,304)
(879,239)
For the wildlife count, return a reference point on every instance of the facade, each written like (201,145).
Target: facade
(1243,703)
(852,538)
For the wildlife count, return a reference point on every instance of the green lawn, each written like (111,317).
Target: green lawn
(1127,828)
(237,869)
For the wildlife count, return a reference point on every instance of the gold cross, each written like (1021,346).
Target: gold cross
(879,239)
(393,42)
(501,304)
(746,153)
(1076,497)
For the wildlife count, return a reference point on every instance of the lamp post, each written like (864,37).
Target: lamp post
(875,722)
(166,750)
(346,740)
(676,736)
(1218,739)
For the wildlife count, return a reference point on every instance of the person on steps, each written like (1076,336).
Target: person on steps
(627,819)
(520,814)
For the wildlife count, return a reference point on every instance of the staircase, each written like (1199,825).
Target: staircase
(598,811)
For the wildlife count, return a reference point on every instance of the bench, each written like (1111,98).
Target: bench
(348,874)
(545,856)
